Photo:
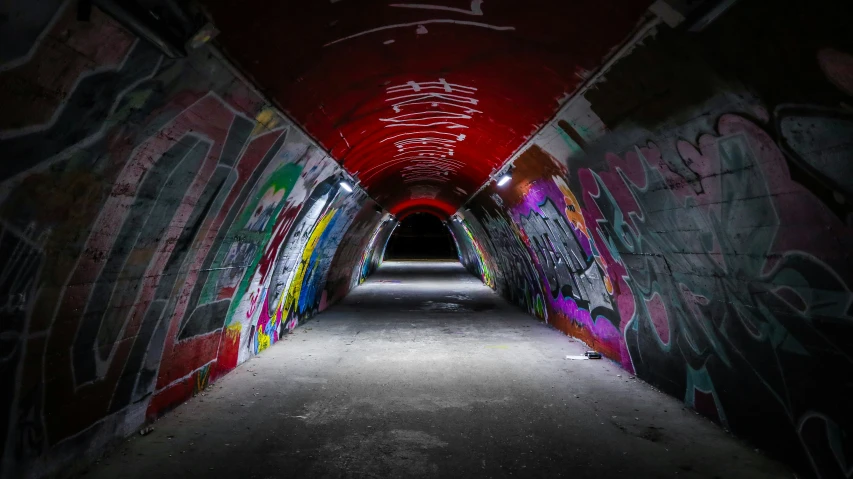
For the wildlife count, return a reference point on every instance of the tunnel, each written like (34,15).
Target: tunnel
(421,236)
(485,238)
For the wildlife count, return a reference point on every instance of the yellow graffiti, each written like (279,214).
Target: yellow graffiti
(234,330)
(263,341)
(266,119)
(573,209)
(202,379)
(290,297)
(575,217)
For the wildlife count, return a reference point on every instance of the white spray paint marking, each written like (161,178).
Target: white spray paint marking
(457,136)
(428,153)
(425,22)
(475,9)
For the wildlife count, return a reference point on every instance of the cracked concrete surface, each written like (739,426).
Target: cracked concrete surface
(424,372)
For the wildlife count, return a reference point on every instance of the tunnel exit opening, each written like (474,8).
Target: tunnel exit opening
(421,236)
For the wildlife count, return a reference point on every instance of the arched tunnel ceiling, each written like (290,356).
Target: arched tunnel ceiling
(422,101)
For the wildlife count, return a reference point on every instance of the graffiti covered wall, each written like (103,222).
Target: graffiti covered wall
(691,220)
(361,251)
(159,224)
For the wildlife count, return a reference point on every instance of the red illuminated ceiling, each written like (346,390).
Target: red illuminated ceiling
(421,100)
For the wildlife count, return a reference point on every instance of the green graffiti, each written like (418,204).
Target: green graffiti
(485,273)
(243,246)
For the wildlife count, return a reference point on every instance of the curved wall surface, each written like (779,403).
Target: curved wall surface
(687,213)
(160,223)
(689,216)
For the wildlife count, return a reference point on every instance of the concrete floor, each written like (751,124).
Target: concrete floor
(424,372)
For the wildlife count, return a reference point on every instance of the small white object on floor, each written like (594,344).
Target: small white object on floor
(578,358)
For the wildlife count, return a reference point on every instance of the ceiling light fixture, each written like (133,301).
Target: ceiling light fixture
(505,178)
(347,182)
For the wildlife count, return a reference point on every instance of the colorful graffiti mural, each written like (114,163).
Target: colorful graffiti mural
(360,252)
(718,283)
(160,223)
(709,256)
(695,286)
(472,253)
(147,207)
